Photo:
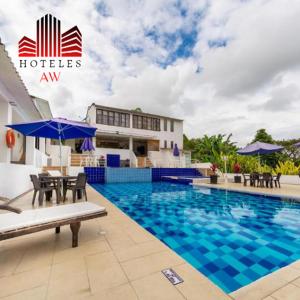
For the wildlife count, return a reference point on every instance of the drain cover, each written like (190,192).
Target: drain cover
(172,276)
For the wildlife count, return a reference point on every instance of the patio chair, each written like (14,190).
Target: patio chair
(38,187)
(276,180)
(78,186)
(45,181)
(254,179)
(35,220)
(266,180)
(246,178)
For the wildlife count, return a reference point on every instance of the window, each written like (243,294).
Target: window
(148,123)
(165,125)
(112,118)
(172,144)
(165,144)
(37,143)
(172,126)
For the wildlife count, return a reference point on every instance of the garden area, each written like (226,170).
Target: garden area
(214,148)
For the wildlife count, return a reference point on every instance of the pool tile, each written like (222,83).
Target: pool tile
(247,235)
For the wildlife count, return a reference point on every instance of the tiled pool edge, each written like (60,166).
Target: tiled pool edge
(218,290)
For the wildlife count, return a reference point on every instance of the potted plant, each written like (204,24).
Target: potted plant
(214,176)
(237,170)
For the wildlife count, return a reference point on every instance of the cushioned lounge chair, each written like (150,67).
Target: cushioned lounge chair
(30,221)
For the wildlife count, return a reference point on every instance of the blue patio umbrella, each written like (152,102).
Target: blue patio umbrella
(57,128)
(297,145)
(259,148)
(176,150)
(87,145)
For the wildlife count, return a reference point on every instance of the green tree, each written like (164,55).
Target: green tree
(262,136)
(210,148)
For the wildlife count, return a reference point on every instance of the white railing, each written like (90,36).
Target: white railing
(92,161)
(172,163)
(87,160)
(133,159)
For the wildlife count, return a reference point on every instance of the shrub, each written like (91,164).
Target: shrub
(287,168)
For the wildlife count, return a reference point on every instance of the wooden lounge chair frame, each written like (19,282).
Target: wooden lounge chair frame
(74,223)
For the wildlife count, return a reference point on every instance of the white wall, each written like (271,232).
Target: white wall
(165,158)
(124,153)
(15,180)
(5,118)
(73,171)
(53,151)
(176,136)
(40,158)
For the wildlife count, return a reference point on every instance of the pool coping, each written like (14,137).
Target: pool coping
(262,193)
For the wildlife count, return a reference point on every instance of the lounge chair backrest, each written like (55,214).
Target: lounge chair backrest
(81,181)
(35,181)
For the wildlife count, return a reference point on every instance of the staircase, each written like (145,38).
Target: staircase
(144,162)
(55,168)
(76,159)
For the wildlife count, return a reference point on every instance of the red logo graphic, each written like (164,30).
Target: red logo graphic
(50,42)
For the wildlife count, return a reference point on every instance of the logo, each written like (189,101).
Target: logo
(52,46)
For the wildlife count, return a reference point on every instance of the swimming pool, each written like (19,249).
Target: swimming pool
(232,238)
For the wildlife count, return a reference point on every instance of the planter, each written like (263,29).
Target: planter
(237,179)
(214,179)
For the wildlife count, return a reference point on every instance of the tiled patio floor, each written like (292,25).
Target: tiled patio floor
(116,259)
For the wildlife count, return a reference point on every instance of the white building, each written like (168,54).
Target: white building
(141,139)
(29,154)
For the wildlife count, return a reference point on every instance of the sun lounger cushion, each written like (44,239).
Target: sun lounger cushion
(12,221)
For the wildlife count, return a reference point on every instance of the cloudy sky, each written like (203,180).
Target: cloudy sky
(225,66)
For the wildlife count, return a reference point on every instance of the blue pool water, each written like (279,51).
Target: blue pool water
(232,238)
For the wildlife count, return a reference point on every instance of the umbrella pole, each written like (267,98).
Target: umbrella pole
(60,158)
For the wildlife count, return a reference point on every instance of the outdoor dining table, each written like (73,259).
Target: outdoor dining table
(61,181)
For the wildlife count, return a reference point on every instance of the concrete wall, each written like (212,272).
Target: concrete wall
(14,179)
(124,153)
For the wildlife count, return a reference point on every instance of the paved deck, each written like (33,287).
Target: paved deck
(116,259)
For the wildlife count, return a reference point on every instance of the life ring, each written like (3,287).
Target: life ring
(10,138)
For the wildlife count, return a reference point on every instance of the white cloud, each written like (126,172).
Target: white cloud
(250,83)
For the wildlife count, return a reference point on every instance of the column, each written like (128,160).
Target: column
(131,143)
(30,150)
(5,118)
